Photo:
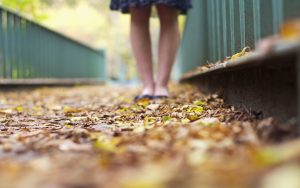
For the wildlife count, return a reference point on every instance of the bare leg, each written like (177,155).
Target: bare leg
(168,45)
(141,45)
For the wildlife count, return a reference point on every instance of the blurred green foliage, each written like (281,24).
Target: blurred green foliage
(31,8)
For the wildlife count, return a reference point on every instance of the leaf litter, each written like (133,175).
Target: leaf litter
(95,136)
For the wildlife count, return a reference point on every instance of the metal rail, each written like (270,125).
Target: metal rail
(31,51)
(219,28)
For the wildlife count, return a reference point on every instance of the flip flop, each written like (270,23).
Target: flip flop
(140,97)
(161,97)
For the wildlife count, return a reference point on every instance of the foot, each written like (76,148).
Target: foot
(148,91)
(161,91)
(143,97)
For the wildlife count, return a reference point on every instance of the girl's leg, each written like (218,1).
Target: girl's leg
(141,45)
(168,45)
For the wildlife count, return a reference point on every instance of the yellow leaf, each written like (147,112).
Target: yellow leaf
(68,109)
(20,109)
(144,102)
(291,30)
(193,117)
(196,109)
(106,144)
(244,52)
(199,103)
(68,126)
(79,119)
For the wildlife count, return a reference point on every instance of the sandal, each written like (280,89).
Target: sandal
(140,97)
(161,97)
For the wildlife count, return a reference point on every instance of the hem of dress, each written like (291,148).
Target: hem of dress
(125,9)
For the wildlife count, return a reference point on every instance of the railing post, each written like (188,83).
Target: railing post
(17,31)
(22,59)
(1,47)
(298,89)
(102,65)
(9,43)
(4,43)
(26,50)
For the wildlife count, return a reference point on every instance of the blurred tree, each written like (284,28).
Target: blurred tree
(31,8)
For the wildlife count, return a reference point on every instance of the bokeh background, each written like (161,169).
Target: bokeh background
(91,22)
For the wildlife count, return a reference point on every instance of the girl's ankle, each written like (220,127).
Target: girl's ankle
(161,91)
(148,91)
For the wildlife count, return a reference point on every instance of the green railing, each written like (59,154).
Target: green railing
(219,28)
(31,51)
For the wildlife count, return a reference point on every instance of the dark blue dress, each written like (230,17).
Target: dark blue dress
(123,5)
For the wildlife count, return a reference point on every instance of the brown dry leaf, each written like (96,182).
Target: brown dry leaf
(95,136)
